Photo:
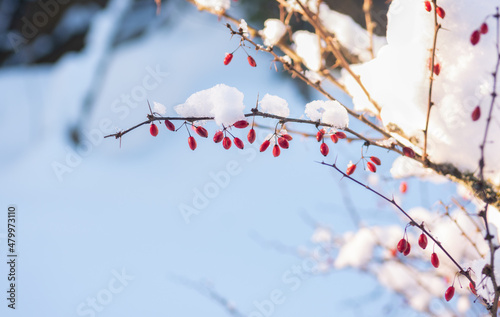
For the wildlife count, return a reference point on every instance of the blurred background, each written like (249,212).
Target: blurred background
(149,227)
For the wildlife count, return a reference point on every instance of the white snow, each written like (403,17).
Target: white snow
(330,112)
(307,47)
(159,108)
(273,31)
(274,105)
(216,5)
(243,26)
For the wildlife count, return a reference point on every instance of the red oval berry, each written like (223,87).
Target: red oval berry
(288,137)
(408,152)
(192,143)
(350,169)
(334,138)
(241,124)
(437,69)
(371,167)
(202,131)
(427,5)
(472,286)
(264,145)
(422,241)
(448,295)
(218,136)
(402,244)
(375,160)
(276,150)
(408,249)
(320,134)
(283,142)
(169,125)
(476,114)
(226,143)
(324,149)
(340,135)
(440,12)
(228,58)
(484,28)
(239,144)
(435,260)
(251,136)
(475,37)
(153,129)
(403,187)
(251,61)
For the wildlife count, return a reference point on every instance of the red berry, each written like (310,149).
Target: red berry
(427,5)
(251,136)
(276,150)
(239,144)
(192,143)
(484,28)
(448,295)
(324,149)
(340,135)
(251,61)
(422,241)
(476,114)
(403,187)
(226,143)
(288,137)
(202,131)
(264,145)
(334,138)
(437,69)
(169,125)
(408,249)
(375,160)
(350,169)
(320,134)
(371,167)
(241,124)
(440,12)
(435,260)
(402,245)
(153,129)
(228,58)
(472,286)
(474,37)
(283,142)
(218,136)
(408,152)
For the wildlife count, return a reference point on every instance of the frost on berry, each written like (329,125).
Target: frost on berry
(153,129)
(476,114)
(241,124)
(484,28)
(371,167)
(320,134)
(228,58)
(340,135)
(169,125)
(422,241)
(474,37)
(202,131)
(324,149)
(440,12)
(408,249)
(375,160)
(218,136)
(239,144)
(350,169)
(192,143)
(251,61)
(226,143)
(283,142)
(402,245)
(251,136)
(403,187)
(264,145)
(408,152)
(448,295)
(276,150)
(435,260)
(427,5)
(437,69)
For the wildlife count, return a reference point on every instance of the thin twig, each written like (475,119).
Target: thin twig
(367,6)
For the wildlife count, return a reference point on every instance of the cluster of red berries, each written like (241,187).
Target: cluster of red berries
(405,247)
(221,135)
(320,137)
(282,141)
(153,129)
(476,35)
(370,165)
(229,57)
(440,11)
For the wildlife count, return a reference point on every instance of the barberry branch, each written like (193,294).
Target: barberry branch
(367,6)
